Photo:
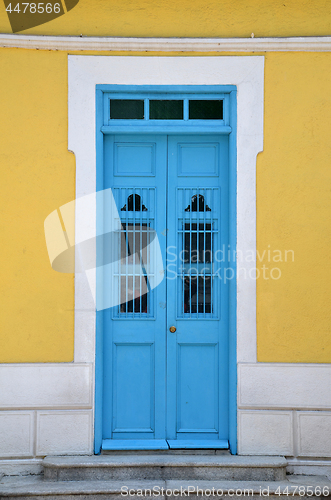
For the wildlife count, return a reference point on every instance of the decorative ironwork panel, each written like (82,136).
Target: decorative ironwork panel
(197,240)
(135,265)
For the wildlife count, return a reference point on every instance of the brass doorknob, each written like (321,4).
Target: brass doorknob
(172,329)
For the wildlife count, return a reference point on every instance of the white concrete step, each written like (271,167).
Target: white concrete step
(164,467)
(29,488)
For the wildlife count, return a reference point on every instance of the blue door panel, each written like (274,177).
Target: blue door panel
(197,353)
(200,159)
(197,398)
(134,361)
(134,159)
(133,369)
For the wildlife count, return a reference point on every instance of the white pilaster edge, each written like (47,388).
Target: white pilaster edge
(284,386)
(265,432)
(46,385)
(309,44)
(314,433)
(247,73)
(64,432)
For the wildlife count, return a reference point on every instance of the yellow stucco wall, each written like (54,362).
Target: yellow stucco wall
(294,210)
(37,176)
(293,173)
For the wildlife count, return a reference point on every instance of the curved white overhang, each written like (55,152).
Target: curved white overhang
(77,43)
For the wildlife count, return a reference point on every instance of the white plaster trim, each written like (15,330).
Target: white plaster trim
(310,44)
(247,73)
(46,385)
(265,432)
(314,433)
(284,386)
(17,434)
(64,432)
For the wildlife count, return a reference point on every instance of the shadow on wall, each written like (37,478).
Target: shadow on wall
(25,15)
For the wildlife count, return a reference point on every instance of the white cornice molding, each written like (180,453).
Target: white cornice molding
(77,43)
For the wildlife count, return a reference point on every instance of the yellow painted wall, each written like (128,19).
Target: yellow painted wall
(37,176)
(188,18)
(294,210)
(293,172)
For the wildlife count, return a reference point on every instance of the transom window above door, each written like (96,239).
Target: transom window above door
(156,108)
(165,109)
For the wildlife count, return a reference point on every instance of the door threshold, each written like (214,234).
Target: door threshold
(198,444)
(162,444)
(134,444)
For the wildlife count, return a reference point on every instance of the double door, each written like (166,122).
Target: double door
(165,341)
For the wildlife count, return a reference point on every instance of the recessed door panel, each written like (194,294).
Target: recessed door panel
(201,159)
(133,388)
(134,158)
(197,396)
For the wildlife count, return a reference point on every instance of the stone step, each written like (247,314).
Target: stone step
(14,488)
(164,467)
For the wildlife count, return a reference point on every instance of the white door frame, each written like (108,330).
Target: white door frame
(247,73)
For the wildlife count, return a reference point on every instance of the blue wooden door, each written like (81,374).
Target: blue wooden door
(197,298)
(166,388)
